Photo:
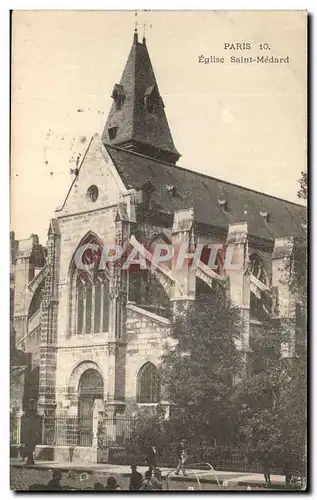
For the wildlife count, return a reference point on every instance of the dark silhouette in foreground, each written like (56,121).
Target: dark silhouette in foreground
(135,480)
(99,487)
(31,425)
(112,484)
(55,483)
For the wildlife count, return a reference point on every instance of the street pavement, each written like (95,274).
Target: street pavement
(217,479)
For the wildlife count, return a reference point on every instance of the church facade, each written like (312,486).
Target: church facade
(99,335)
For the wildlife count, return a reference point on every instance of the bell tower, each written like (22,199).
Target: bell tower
(137,120)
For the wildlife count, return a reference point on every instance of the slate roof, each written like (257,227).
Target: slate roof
(135,125)
(192,189)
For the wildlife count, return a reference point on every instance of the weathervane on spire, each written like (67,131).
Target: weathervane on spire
(136,22)
(136,27)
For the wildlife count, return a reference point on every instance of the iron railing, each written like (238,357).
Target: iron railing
(78,431)
(15,429)
(114,431)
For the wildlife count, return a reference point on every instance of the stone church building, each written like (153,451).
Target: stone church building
(99,335)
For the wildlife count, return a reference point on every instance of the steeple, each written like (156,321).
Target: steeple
(137,119)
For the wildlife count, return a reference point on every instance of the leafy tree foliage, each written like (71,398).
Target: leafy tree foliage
(303,182)
(198,372)
(271,405)
(263,411)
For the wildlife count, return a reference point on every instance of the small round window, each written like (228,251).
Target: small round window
(92,193)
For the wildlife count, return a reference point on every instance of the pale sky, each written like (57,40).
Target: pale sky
(242,123)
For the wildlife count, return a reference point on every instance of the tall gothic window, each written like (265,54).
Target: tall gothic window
(89,290)
(148,384)
(92,304)
(257,268)
(260,302)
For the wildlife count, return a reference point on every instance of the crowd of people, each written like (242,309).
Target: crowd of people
(55,484)
(152,480)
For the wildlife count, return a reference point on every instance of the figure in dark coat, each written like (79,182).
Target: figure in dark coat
(30,435)
(112,484)
(151,458)
(135,480)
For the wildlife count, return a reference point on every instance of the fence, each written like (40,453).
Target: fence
(76,431)
(15,429)
(66,431)
(221,458)
(225,459)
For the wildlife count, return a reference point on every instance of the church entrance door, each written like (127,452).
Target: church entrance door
(90,388)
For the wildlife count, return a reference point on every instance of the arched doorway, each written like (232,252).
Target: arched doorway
(90,388)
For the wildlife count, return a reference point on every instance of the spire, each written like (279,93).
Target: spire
(137,119)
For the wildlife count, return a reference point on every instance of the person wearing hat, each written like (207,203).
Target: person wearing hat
(181,457)
(157,480)
(112,484)
(55,483)
(147,484)
(136,479)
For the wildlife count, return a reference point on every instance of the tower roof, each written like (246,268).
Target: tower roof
(137,119)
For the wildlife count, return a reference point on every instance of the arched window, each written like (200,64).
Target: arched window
(260,302)
(148,384)
(89,292)
(257,268)
(92,304)
(91,383)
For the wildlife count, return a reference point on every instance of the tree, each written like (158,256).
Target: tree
(147,431)
(303,182)
(198,372)
(271,405)
(273,402)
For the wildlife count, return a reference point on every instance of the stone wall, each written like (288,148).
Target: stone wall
(146,334)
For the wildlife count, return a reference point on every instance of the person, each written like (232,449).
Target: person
(112,484)
(264,460)
(135,480)
(55,483)
(181,457)
(156,480)
(99,487)
(30,435)
(29,451)
(147,484)
(267,474)
(151,458)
